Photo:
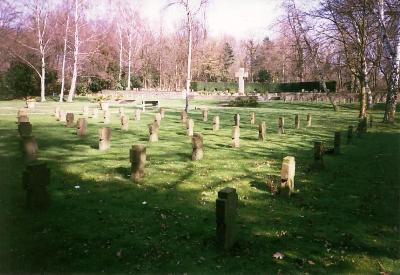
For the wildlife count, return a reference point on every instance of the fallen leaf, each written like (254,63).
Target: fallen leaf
(278,255)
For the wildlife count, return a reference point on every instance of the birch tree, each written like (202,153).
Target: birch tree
(389,23)
(38,14)
(77,21)
(64,53)
(191,8)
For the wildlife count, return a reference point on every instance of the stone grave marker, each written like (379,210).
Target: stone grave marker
(25,129)
(138,162)
(216,123)
(81,126)
(153,131)
(125,122)
(35,179)
(57,113)
(318,154)
(22,112)
(253,118)
(63,116)
(157,119)
(121,111)
(95,113)
(30,148)
(22,119)
(262,128)
(137,114)
(104,138)
(309,120)
(184,117)
(297,122)
(336,143)
(226,208)
(104,106)
(205,115)
(162,112)
(287,175)
(197,145)
(236,137)
(70,120)
(189,127)
(236,119)
(281,125)
(350,134)
(85,112)
(106,116)
(241,74)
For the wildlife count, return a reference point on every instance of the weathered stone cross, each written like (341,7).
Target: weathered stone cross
(241,75)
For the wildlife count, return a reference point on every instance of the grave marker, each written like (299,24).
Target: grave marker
(81,127)
(236,119)
(29,148)
(125,122)
(253,118)
(137,114)
(153,131)
(25,129)
(287,175)
(104,138)
(336,142)
(297,122)
(241,74)
(309,120)
(197,145)
(35,179)
(226,208)
(138,162)
(236,137)
(70,120)
(205,115)
(216,123)
(189,127)
(281,125)
(262,128)
(350,134)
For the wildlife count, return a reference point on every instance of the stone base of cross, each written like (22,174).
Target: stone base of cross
(241,74)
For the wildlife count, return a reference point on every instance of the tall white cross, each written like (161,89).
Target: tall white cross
(241,75)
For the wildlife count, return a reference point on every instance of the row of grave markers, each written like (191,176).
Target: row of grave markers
(36,176)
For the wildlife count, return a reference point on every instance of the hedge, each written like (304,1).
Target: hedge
(262,87)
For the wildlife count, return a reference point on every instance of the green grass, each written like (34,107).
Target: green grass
(342,220)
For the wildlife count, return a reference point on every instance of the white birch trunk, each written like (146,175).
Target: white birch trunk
(189,60)
(63,62)
(121,48)
(128,86)
(76,53)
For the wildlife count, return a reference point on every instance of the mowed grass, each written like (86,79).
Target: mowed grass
(342,220)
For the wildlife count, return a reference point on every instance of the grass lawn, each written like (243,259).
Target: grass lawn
(342,220)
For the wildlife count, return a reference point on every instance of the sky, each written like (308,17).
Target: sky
(241,19)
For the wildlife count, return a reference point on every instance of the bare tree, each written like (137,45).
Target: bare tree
(389,23)
(191,9)
(78,6)
(38,14)
(64,52)
(298,22)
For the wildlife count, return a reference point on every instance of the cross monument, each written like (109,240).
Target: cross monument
(241,75)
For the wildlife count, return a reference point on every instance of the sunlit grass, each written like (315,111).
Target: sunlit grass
(343,219)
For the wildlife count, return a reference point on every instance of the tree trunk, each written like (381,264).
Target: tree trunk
(363,97)
(121,48)
(63,62)
(189,61)
(42,81)
(76,53)
(128,86)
